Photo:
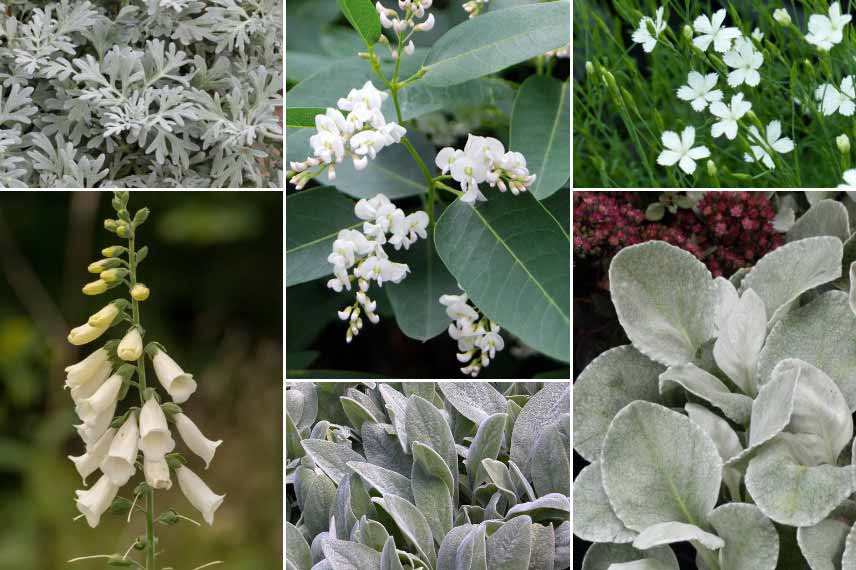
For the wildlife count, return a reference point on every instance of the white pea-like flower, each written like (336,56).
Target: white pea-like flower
(131,346)
(773,139)
(832,99)
(643,34)
(195,440)
(446,158)
(728,116)
(94,502)
(699,90)
(469,173)
(155,438)
(179,384)
(825,31)
(745,60)
(680,150)
(85,334)
(90,462)
(199,494)
(484,159)
(156,472)
(712,32)
(120,462)
(478,337)
(106,396)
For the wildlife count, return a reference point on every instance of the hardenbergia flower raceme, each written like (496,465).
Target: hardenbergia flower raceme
(125,437)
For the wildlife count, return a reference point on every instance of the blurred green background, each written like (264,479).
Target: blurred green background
(215,272)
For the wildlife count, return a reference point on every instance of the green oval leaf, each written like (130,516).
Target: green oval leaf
(511,257)
(363,17)
(540,129)
(299,117)
(313,219)
(497,40)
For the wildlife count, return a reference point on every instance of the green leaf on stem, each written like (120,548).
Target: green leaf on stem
(299,117)
(363,17)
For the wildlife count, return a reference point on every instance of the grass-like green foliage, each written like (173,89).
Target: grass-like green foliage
(436,476)
(727,422)
(149,93)
(618,123)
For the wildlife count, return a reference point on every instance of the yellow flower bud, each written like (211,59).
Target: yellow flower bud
(122,230)
(110,225)
(85,334)
(113,275)
(140,292)
(113,251)
(131,346)
(103,265)
(105,316)
(95,287)
(843,143)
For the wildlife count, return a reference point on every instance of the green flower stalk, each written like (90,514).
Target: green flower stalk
(124,439)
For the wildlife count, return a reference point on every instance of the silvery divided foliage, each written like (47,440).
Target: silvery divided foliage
(435,476)
(141,93)
(727,422)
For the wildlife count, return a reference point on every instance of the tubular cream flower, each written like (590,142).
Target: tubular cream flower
(832,100)
(131,347)
(95,287)
(85,334)
(195,440)
(89,409)
(711,31)
(746,61)
(680,150)
(119,464)
(773,140)
(157,473)
(827,31)
(90,462)
(699,90)
(92,432)
(643,34)
(106,316)
(90,369)
(179,384)
(728,116)
(199,494)
(155,439)
(94,502)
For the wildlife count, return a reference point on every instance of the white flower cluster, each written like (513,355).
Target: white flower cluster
(826,31)
(474,7)
(113,444)
(363,251)
(361,135)
(478,337)
(484,160)
(411,11)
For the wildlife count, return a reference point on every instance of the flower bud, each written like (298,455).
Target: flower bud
(95,287)
(103,264)
(131,346)
(139,292)
(106,316)
(781,16)
(110,225)
(688,32)
(122,229)
(843,143)
(85,334)
(113,275)
(425,26)
(113,251)
(711,167)
(589,68)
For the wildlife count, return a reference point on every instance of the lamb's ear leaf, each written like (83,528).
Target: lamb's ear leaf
(425,423)
(309,241)
(671,532)
(473,400)
(432,493)
(665,299)
(497,474)
(344,513)
(784,274)
(510,547)
(563,545)
(539,130)
(822,544)
(704,385)
(852,297)
(331,457)
(824,218)
(345,555)
(724,437)
(594,519)
(497,40)
(543,547)
(644,564)
(396,408)
(412,524)
(604,554)
(520,283)
(472,552)
(522,488)
(549,463)
(357,413)
(792,493)
(297,549)
(741,338)
(751,540)
(614,379)
(363,16)
(549,507)
(485,445)
(389,557)
(321,497)
(648,439)
(381,448)
(373,534)
(449,547)
(386,481)
(543,408)
(848,560)
(821,334)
